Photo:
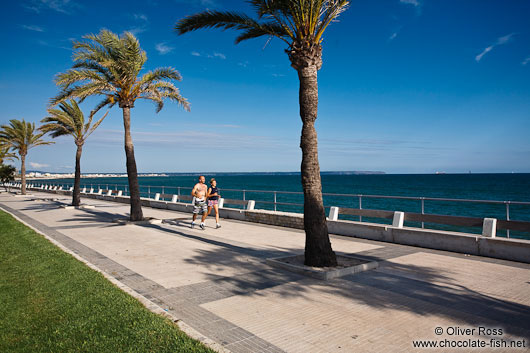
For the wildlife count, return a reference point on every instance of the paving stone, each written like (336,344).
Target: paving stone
(216,282)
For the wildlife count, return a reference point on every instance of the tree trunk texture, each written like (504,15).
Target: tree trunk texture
(76,195)
(132,173)
(318,251)
(23,174)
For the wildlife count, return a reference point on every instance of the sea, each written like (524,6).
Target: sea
(260,187)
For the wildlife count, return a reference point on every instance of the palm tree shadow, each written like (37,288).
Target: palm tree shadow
(93,217)
(430,293)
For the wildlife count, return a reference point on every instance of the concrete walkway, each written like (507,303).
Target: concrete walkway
(217,282)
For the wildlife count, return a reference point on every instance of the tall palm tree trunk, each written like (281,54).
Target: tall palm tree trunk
(318,250)
(76,195)
(132,173)
(23,173)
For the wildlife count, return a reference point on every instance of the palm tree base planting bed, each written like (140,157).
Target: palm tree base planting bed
(346,265)
(51,302)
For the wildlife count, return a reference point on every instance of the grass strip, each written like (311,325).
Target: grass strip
(51,302)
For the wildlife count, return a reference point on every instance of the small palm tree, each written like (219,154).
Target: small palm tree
(7,174)
(21,136)
(70,120)
(300,24)
(109,65)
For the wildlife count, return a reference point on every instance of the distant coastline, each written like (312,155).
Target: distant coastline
(47,175)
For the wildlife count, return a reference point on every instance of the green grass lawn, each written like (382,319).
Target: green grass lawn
(51,302)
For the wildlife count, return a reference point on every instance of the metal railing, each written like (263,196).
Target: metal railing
(274,199)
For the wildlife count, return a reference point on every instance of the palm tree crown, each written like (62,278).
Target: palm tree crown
(5,154)
(299,23)
(107,64)
(21,136)
(70,120)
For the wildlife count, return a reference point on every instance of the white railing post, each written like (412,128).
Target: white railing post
(120,193)
(157,196)
(221,202)
(109,193)
(250,205)
(489,227)
(175,198)
(399,218)
(334,213)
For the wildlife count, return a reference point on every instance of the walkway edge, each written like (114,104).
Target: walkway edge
(188,330)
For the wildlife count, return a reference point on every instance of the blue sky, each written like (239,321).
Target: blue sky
(407,86)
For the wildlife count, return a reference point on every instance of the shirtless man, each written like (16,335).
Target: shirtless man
(199,201)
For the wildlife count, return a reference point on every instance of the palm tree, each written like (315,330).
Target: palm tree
(21,136)
(108,65)
(70,120)
(300,24)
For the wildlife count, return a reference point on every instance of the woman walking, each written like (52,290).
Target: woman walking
(213,201)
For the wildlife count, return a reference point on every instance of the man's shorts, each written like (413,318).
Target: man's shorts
(212,203)
(199,205)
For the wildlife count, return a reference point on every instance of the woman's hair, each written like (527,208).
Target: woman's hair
(212,180)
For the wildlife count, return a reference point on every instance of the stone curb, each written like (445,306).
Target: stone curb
(322,274)
(188,330)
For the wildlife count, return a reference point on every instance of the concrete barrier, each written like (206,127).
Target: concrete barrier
(398,220)
(334,213)
(489,229)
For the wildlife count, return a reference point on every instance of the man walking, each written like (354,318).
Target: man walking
(199,201)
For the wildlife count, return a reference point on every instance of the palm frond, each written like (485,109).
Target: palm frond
(90,129)
(267,29)
(70,120)
(160,90)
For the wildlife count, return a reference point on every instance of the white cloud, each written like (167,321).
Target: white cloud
(140,17)
(500,41)
(137,30)
(163,48)
(393,36)
(199,3)
(210,56)
(33,28)
(143,23)
(526,61)
(219,55)
(38,165)
(63,6)
(415,4)
(411,2)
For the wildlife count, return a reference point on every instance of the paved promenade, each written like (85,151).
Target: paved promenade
(217,282)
